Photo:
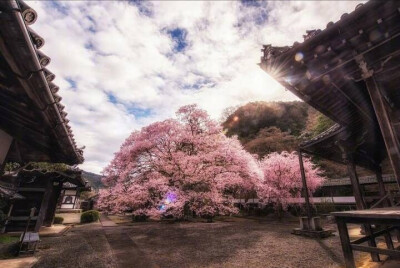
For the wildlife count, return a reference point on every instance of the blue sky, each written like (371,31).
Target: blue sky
(122,65)
(178,36)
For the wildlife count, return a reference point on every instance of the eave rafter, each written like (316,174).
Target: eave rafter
(35,104)
(326,72)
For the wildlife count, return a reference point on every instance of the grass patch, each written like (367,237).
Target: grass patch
(8,246)
(8,239)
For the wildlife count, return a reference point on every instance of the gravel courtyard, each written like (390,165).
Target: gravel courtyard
(231,243)
(245,243)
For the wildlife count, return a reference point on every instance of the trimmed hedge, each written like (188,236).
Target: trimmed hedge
(90,216)
(58,220)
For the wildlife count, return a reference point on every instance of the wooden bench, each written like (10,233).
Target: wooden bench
(31,241)
(388,217)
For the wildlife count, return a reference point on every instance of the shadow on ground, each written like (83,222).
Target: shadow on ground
(248,243)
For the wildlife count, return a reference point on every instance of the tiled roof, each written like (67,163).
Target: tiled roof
(326,71)
(332,130)
(19,16)
(9,192)
(310,34)
(30,171)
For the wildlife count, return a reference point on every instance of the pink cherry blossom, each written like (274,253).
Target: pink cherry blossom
(282,178)
(179,167)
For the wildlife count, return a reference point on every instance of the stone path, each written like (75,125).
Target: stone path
(55,230)
(125,252)
(106,222)
(25,262)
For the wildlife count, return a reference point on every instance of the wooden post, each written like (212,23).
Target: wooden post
(385,123)
(351,169)
(3,230)
(381,186)
(21,242)
(345,241)
(360,203)
(5,145)
(77,193)
(44,205)
(51,209)
(305,188)
(382,193)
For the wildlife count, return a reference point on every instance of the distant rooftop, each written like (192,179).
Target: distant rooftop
(387,178)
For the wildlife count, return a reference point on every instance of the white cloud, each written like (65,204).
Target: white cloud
(127,73)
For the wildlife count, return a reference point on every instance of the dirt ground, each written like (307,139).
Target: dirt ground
(228,243)
(247,243)
(83,246)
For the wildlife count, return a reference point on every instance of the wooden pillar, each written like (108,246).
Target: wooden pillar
(360,203)
(51,209)
(5,145)
(3,230)
(305,188)
(345,241)
(385,123)
(351,169)
(44,205)
(381,186)
(77,194)
(382,193)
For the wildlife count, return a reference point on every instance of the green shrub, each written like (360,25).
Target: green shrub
(90,216)
(58,220)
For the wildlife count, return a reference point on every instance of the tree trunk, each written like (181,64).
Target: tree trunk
(279,212)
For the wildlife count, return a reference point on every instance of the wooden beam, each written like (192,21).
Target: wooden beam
(26,111)
(29,189)
(376,234)
(375,250)
(385,123)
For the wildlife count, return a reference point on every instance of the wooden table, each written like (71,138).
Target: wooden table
(387,217)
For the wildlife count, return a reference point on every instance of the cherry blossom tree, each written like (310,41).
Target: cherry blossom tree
(178,167)
(282,178)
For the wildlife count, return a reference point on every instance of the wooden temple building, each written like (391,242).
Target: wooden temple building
(350,72)
(41,189)
(33,124)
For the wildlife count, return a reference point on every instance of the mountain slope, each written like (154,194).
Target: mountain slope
(93,179)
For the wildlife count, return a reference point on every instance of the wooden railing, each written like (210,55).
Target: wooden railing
(390,197)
